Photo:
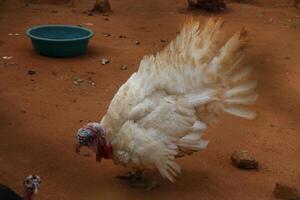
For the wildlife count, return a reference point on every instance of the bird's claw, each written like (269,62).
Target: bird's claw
(136,181)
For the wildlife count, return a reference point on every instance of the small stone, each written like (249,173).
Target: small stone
(88,24)
(104,61)
(23,111)
(122,36)
(7,57)
(10,34)
(137,42)
(78,81)
(93,83)
(90,14)
(124,67)
(102,6)
(106,19)
(163,41)
(31,72)
(287,192)
(106,34)
(243,160)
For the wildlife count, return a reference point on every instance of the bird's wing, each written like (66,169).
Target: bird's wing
(192,79)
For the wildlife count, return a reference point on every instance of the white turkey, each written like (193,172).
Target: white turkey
(161,112)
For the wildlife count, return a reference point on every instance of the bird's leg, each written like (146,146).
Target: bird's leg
(130,176)
(136,180)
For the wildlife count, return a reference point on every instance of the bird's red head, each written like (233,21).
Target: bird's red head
(93,135)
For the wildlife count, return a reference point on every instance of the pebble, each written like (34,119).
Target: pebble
(93,83)
(31,72)
(78,81)
(104,61)
(7,57)
(122,36)
(243,159)
(286,192)
(124,67)
(163,41)
(137,42)
(106,34)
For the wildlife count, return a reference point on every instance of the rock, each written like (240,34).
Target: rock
(124,67)
(208,5)
(106,19)
(106,34)
(137,42)
(93,83)
(102,6)
(7,57)
(104,61)
(163,41)
(243,160)
(31,72)
(122,36)
(283,191)
(78,81)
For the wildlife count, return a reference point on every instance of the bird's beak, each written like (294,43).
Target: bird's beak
(77,148)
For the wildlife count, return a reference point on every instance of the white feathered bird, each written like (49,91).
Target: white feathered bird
(161,112)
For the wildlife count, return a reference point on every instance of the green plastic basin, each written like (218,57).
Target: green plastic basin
(60,40)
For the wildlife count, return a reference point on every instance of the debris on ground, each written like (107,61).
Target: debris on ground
(104,61)
(122,36)
(78,81)
(87,24)
(7,57)
(31,72)
(15,34)
(208,5)
(106,34)
(106,19)
(287,192)
(93,83)
(137,42)
(124,67)
(162,41)
(102,6)
(54,11)
(242,159)
(83,81)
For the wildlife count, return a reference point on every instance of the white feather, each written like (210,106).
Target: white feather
(159,113)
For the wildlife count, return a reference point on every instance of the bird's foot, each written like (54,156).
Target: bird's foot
(136,180)
(129,177)
(144,184)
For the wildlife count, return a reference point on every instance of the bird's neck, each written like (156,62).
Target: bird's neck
(28,195)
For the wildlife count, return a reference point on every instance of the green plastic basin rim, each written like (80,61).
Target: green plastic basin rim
(59,40)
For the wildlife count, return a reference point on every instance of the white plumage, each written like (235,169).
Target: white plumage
(161,111)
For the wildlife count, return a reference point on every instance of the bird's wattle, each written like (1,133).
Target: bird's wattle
(94,136)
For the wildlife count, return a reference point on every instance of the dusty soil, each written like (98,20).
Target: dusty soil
(40,113)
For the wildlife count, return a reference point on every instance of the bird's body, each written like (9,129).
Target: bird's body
(8,194)
(161,112)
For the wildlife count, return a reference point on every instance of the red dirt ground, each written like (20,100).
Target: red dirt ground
(40,114)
